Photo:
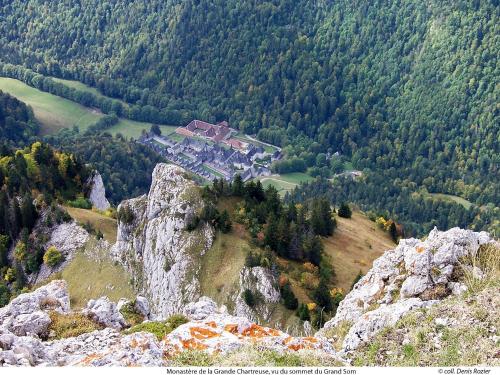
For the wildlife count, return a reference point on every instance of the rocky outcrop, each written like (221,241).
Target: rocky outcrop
(202,309)
(155,245)
(27,314)
(263,284)
(106,313)
(66,238)
(212,330)
(97,195)
(413,275)
(106,347)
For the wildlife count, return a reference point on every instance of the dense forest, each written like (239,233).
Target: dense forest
(33,181)
(126,167)
(406,90)
(417,211)
(17,123)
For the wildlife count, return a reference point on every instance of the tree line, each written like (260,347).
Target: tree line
(33,182)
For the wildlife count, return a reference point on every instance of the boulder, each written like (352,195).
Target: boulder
(105,312)
(27,313)
(201,309)
(142,306)
(223,333)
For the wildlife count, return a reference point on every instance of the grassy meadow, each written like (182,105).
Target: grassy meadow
(105,224)
(355,244)
(285,182)
(53,112)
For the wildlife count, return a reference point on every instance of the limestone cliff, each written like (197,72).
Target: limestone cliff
(263,284)
(97,195)
(155,245)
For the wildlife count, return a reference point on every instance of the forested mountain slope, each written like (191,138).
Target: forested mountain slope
(406,88)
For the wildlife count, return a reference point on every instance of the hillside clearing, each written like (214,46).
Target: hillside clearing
(92,274)
(285,182)
(53,112)
(82,87)
(221,267)
(355,244)
(106,225)
(452,198)
(133,129)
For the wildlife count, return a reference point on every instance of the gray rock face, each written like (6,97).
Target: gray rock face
(67,238)
(157,249)
(201,309)
(105,312)
(402,279)
(211,329)
(97,194)
(99,348)
(263,283)
(142,306)
(27,313)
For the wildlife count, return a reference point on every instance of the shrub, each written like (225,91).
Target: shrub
(159,329)
(70,325)
(52,257)
(323,297)
(303,312)
(289,299)
(249,298)
(10,275)
(177,320)
(131,315)
(4,294)
(345,211)
(20,251)
(80,202)
(253,260)
(309,281)
(125,215)
(309,267)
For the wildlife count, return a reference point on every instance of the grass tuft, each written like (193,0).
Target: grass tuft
(70,325)
(159,329)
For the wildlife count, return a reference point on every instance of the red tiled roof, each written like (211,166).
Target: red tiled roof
(184,131)
(198,124)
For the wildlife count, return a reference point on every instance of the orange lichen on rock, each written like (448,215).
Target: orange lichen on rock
(92,357)
(231,328)
(314,340)
(255,331)
(287,340)
(193,344)
(202,333)
(211,324)
(273,332)
(295,347)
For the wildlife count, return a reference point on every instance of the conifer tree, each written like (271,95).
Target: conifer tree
(345,211)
